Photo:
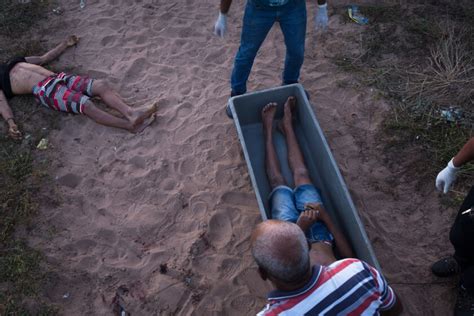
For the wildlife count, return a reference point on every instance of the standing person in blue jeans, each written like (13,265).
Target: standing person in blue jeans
(303,205)
(259,17)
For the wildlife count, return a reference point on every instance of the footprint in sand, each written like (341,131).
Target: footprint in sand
(90,263)
(168,184)
(184,110)
(109,13)
(244,303)
(140,39)
(84,246)
(199,208)
(70,180)
(228,267)
(199,246)
(239,198)
(137,69)
(97,74)
(220,230)
(187,166)
(205,144)
(108,41)
(185,88)
(250,278)
(138,161)
(217,57)
(107,236)
(110,23)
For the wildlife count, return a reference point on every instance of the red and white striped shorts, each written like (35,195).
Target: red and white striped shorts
(64,92)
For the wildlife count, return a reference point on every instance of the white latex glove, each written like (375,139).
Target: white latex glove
(321,19)
(446,177)
(220,26)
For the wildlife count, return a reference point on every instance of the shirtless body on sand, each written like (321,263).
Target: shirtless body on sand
(303,204)
(66,93)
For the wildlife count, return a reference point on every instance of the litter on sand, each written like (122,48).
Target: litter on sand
(43,144)
(354,15)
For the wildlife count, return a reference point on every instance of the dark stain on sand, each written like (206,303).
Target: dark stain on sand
(70,180)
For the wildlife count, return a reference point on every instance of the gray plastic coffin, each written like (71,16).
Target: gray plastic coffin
(325,174)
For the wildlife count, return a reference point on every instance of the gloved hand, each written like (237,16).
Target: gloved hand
(446,177)
(321,19)
(220,26)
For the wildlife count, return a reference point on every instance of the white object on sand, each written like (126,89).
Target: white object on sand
(466,211)
(43,144)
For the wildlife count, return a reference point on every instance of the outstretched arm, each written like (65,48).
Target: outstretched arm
(54,53)
(340,240)
(7,115)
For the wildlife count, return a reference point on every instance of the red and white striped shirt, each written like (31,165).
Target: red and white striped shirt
(346,287)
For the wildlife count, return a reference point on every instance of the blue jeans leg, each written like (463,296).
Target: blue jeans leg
(256,25)
(293,26)
(282,204)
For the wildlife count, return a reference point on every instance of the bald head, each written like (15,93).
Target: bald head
(281,249)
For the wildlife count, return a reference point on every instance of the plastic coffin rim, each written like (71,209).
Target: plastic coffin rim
(246,111)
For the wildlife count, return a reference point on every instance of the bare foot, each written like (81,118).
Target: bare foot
(268,113)
(140,114)
(287,121)
(144,124)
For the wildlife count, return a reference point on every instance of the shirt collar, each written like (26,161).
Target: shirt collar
(280,295)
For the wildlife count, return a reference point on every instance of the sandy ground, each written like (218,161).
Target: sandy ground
(164,217)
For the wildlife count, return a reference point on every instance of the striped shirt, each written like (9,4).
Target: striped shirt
(346,287)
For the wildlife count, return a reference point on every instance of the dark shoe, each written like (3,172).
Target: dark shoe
(445,267)
(464,303)
(234,93)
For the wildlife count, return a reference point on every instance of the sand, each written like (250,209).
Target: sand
(161,221)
